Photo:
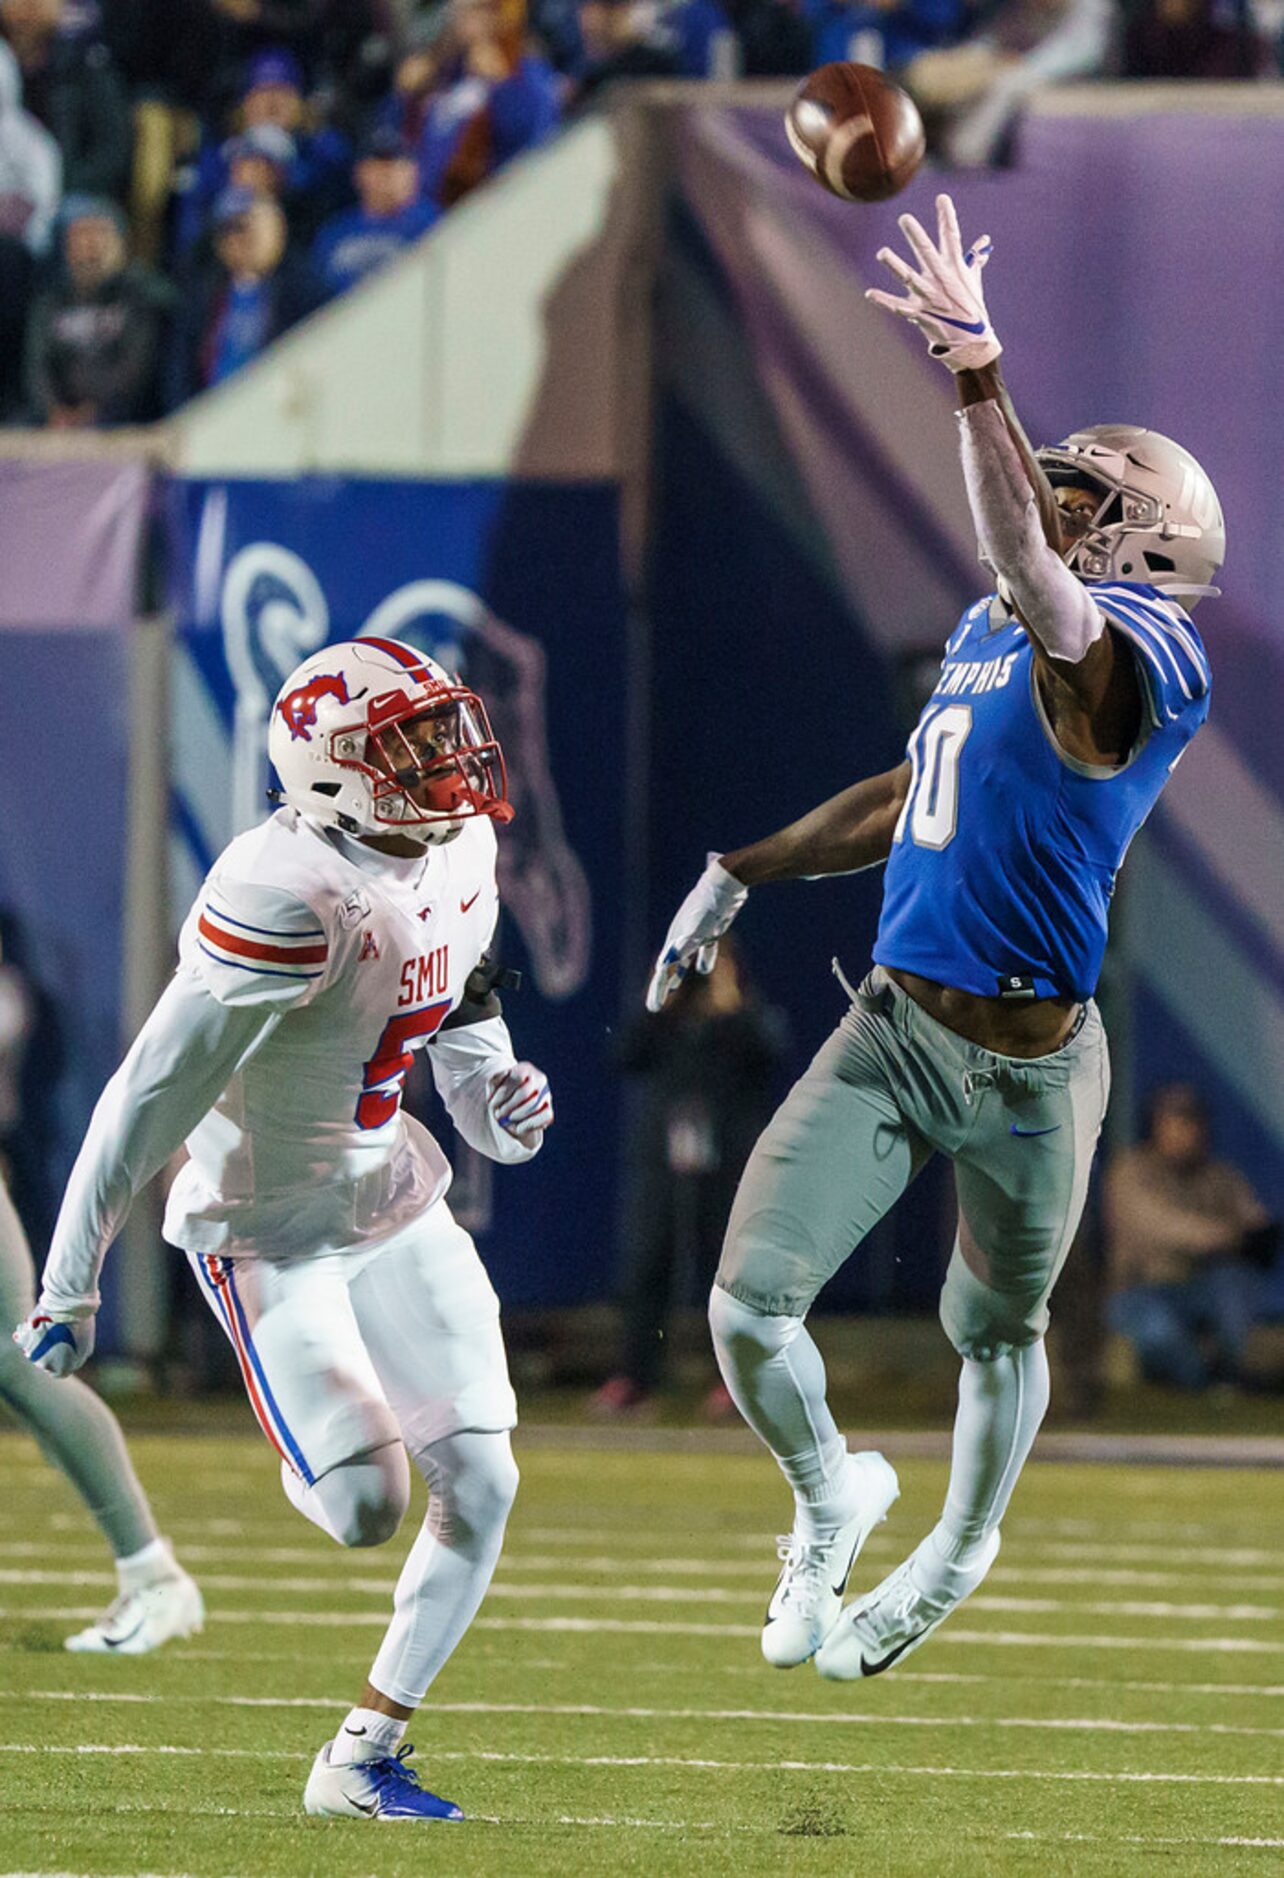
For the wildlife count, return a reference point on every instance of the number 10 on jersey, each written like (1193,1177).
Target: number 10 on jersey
(931,810)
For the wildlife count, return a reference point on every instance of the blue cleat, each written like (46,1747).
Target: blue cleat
(384,1789)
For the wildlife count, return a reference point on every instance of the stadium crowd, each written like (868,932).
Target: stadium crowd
(183,180)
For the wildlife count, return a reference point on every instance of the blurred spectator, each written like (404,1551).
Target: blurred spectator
(95,340)
(1208,39)
(30,185)
(886,33)
(775,38)
(619,40)
(707,1064)
(971,94)
(260,159)
(476,97)
(31,1066)
(254,290)
(272,104)
(71,85)
(1178,1226)
(30,165)
(390,214)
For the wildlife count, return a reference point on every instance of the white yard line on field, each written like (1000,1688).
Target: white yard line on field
(336,1564)
(654,1627)
(699,1764)
(843,1718)
(565,1591)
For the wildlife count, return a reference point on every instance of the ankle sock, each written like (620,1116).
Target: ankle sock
(366,1734)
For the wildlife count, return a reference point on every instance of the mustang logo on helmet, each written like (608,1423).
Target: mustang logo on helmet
(299,708)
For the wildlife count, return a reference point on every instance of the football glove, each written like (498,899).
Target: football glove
(56,1341)
(520,1102)
(943,295)
(697,926)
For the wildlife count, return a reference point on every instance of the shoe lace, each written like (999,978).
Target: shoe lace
(394,1771)
(805,1564)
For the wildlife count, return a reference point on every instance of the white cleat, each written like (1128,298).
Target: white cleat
(877,1631)
(139,1621)
(808,1596)
(388,1788)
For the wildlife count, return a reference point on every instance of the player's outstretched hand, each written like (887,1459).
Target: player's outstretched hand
(55,1340)
(943,295)
(697,926)
(520,1101)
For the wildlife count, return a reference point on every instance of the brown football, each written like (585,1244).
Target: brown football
(859,134)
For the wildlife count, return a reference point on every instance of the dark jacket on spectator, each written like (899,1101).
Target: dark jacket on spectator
(293,293)
(102,349)
(79,96)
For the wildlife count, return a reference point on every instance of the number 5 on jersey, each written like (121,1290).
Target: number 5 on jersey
(385,1073)
(931,809)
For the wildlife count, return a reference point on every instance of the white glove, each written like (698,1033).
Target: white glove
(519,1101)
(56,1341)
(943,295)
(697,926)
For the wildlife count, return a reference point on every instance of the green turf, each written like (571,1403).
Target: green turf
(662,1746)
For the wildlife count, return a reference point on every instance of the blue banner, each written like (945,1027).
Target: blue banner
(517,587)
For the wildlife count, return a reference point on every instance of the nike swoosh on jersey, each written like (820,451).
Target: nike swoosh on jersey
(876,1669)
(1029,1133)
(465,904)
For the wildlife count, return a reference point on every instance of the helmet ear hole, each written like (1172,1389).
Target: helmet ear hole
(325,789)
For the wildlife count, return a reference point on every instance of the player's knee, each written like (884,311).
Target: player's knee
(480,1496)
(984,1323)
(366,1498)
(745,1336)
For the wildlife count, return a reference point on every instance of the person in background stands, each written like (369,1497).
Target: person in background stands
(707,1064)
(30,186)
(390,215)
(71,85)
(480,96)
(95,340)
(255,291)
(1178,1226)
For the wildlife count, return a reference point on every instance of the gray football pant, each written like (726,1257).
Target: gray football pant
(77,1431)
(886,1089)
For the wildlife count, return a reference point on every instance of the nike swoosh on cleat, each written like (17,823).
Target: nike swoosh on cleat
(841,1586)
(876,1669)
(369,1811)
(115,1643)
(1028,1134)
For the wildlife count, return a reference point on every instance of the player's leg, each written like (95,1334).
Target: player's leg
(430,1320)
(1022,1181)
(81,1436)
(833,1160)
(313,1390)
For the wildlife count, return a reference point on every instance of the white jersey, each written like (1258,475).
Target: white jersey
(310,967)
(308,1146)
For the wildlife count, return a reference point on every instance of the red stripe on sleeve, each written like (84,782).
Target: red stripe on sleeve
(253,949)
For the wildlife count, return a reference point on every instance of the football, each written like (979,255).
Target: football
(859,134)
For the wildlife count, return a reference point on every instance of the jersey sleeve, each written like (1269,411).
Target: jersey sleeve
(249,943)
(1170,654)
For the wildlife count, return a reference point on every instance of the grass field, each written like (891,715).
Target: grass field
(1112,1701)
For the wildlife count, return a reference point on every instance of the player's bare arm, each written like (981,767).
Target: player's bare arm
(1087,678)
(851,831)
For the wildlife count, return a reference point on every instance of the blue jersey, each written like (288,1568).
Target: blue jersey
(1005,855)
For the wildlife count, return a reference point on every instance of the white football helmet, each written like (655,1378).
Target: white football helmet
(373,737)
(1158,519)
